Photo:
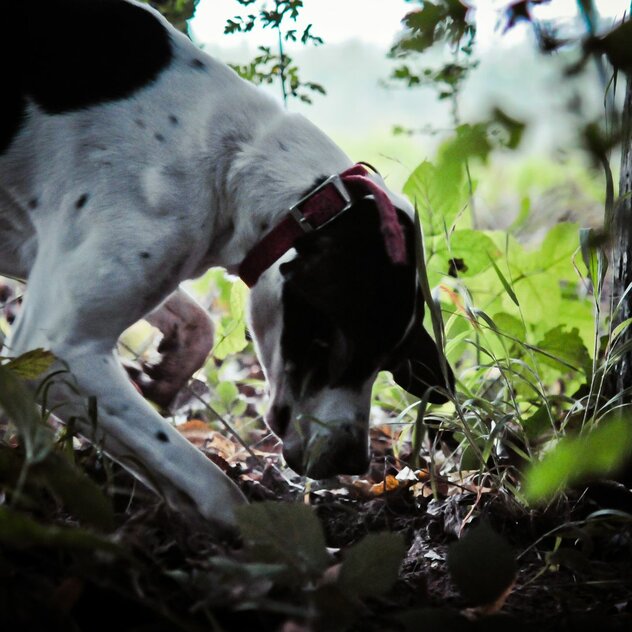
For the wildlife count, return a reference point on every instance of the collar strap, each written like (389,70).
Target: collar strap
(321,205)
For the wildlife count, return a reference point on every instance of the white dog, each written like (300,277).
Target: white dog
(130,161)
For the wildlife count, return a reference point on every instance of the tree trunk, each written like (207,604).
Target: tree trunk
(620,377)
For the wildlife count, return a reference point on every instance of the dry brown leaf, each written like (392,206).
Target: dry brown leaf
(217,442)
(196,431)
(389,484)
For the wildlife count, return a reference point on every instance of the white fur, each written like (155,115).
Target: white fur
(231,167)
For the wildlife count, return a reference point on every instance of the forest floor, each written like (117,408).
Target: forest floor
(168,572)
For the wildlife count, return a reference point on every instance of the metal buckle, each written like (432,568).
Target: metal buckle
(341,189)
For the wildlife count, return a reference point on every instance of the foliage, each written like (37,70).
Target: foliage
(597,453)
(268,66)
(482,565)
(442,21)
(524,328)
(176,11)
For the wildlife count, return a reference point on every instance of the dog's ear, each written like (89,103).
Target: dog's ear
(420,368)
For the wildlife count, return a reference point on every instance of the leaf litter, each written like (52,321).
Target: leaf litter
(410,546)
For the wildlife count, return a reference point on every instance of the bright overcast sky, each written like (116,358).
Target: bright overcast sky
(372,21)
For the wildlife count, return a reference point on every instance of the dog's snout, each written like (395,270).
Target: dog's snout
(346,455)
(279,420)
(342,450)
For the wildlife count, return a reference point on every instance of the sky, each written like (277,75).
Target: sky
(371,21)
(359,113)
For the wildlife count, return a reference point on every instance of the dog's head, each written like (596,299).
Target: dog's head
(326,318)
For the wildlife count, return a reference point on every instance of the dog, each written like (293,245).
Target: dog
(130,161)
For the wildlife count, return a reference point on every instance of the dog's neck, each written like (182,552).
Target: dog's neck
(269,171)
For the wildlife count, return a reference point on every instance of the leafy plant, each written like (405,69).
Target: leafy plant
(268,66)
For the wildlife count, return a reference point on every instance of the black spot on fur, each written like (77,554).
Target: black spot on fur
(282,146)
(173,119)
(140,123)
(159,137)
(81,202)
(33,203)
(71,54)
(198,64)
(144,255)
(161,436)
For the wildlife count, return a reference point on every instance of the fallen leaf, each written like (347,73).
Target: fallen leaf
(389,484)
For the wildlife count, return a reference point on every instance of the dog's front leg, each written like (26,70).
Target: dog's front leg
(142,441)
(66,314)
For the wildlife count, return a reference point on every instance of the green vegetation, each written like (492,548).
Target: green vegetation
(522,303)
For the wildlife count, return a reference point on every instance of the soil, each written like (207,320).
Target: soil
(574,558)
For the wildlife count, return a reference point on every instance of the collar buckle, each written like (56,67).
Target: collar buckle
(341,189)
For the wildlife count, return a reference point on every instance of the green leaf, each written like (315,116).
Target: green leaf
(371,567)
(555,255)
(471,251)
(81,496)
(538,423)
(438,194)
(32,364)
(471,141)
(227,392)
(539,297)
(510,325)
(594,454)
(512,126)
(282,533)
(482,565)
(18,530)
(17,402)
(564,349)
(230,332)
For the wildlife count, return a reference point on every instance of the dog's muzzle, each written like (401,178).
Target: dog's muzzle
(339,447)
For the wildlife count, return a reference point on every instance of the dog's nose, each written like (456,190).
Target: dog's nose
(345,451)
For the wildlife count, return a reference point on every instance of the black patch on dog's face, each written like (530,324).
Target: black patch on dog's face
(71,54)
(345,304)
(349,311)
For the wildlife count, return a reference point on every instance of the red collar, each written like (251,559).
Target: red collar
(334,196)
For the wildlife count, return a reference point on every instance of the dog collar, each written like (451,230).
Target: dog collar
(314,211)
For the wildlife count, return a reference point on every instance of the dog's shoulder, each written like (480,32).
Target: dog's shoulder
(66,55)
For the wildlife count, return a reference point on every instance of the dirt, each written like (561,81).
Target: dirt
(574,566)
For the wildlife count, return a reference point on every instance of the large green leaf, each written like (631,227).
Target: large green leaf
(468,253)
(371,567)
(573,459)
(282,533)
(557,250)
(482,565)
(539,297)
(564,349)
(439,195)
